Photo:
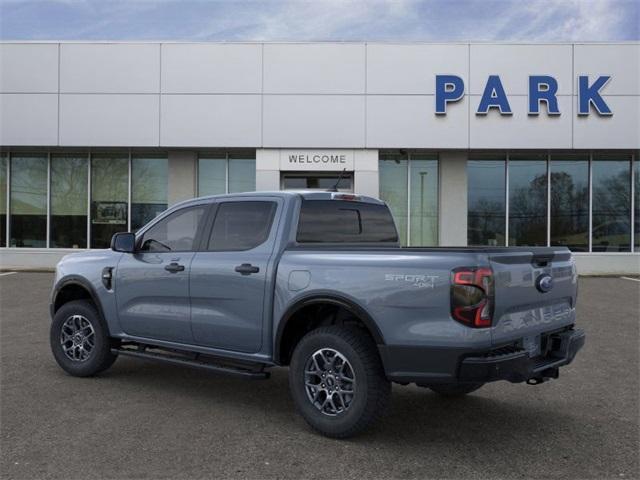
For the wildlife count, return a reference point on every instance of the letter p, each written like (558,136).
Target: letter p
(449,88)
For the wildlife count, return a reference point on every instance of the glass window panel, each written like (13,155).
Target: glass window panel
(528,200)
(69,201)
(636,213)
(340,221)
(175,233)
(321,182)
(241,225)
(393,189)
(242,174)
(149,183)
(3,199)
(424,200)
(109,193)
(611,230)
(570,202)
(28,201)
(212,176)
(486,202)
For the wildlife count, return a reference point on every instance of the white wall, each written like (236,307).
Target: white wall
(312,95)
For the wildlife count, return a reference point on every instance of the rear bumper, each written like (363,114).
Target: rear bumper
(518,366)
(427,365)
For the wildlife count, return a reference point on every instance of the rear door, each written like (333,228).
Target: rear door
(535,292)
(229,276)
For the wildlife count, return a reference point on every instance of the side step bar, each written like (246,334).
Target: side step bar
(245,370)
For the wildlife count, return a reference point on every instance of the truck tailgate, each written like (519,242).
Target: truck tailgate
(535,293)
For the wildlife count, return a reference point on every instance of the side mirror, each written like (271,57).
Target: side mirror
(123,242)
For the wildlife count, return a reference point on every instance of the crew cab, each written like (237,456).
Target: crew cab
(318,282)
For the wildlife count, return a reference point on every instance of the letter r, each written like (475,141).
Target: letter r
(548,95)
(449,88)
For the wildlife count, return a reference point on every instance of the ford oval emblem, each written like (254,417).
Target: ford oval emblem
(544,283)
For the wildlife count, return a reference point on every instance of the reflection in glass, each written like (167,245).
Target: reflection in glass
(68,202)
(636,202)
(528,200)
(149,183)
(3,199)
(28,201)
(242,173)
(314,181)
(393,189)
(109,192)
(570,202)
(486,202)
(212,175)
(611,214)
(424,200)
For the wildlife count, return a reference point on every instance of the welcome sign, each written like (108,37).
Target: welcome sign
(317,160)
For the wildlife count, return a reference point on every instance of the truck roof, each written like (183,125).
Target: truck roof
(306,194)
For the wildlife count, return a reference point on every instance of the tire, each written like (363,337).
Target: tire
(91,351)
(455,389)
(356,357)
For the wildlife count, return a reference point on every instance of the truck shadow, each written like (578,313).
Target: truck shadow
(417,417)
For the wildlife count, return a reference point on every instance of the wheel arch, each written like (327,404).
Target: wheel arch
(322,299)
(74,288)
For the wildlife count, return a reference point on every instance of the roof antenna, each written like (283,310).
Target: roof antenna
(335,187)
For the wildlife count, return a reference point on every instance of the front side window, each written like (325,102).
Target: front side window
(338,221)
(241,225)
(175,233)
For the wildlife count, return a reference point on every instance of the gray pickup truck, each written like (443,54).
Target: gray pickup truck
(316,281)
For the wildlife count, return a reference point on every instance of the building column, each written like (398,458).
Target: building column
(182,175)
(267,169)
(366,180)
(452,209)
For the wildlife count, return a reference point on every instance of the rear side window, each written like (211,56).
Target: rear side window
(241,225)
(339,221)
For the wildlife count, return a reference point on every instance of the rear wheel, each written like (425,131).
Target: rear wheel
(455,389)
(337,381)
(80,340)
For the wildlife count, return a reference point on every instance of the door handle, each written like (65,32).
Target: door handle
(247,269)
(174,267)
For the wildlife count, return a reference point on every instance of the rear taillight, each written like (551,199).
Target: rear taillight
(472,296)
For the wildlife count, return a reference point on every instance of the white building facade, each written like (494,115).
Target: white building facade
(469,144)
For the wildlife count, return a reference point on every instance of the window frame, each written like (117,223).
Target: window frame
(215,207)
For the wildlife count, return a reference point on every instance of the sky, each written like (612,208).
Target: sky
(321,20)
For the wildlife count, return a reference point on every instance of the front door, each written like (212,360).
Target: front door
(152,285)
(229,275)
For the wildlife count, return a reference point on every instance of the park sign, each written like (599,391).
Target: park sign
(542,89)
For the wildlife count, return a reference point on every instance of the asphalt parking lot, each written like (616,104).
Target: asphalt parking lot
(147,420)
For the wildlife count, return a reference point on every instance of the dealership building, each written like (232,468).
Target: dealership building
(469,144)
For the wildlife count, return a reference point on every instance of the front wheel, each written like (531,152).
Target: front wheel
(80,340)
(337,381)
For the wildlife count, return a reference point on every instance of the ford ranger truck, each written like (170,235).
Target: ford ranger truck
(318,282)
